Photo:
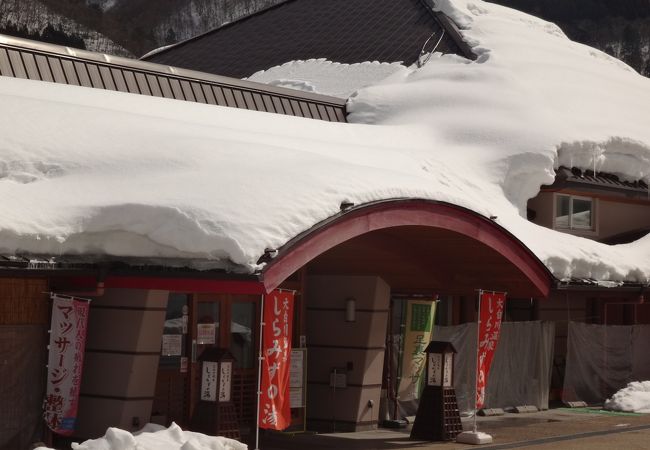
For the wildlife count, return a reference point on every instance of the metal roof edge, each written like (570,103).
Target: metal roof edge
(450,28)
(270,254)
(135,64)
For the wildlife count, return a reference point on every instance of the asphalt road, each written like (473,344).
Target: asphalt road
(553,429)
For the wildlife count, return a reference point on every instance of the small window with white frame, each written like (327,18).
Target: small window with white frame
(573,212)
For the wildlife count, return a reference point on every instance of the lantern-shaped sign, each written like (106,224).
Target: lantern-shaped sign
(438,418)
(216,375)
(440,364)
(215,411)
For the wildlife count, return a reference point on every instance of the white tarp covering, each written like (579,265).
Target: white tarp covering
(521,369)
(601,359)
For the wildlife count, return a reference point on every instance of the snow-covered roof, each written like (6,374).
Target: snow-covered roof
(95,172)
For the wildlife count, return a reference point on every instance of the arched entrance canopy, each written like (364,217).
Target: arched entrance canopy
(398,213)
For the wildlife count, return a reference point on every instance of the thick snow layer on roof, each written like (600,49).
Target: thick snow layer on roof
(156,437)
(635,397)
(327,77)
(96,172)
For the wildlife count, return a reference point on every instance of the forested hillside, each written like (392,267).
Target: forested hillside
(618,27)
(127,27)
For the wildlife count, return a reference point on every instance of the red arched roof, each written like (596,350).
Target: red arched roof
(394,213)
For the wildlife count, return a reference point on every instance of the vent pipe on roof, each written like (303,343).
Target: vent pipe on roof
(423,52)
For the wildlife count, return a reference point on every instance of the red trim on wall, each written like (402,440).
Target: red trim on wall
(403,213)
(166,284)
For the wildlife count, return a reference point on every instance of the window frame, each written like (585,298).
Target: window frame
(571,226)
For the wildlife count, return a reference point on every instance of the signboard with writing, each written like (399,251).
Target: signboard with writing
(172,344)
(205,333)
(449,367)
(209,381)
(225,381)
(65,362)
(296,397)
(417,335)
(275,412)
(297,369)
(489,327)
(434,377)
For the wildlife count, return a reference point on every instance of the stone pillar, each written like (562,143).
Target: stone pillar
(121,361)
(353,348)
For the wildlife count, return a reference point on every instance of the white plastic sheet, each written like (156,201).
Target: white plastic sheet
(601,359)
(521,369)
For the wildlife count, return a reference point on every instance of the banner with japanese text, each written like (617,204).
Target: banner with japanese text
(65,362)
(489,327)
(417,334)
(275,411)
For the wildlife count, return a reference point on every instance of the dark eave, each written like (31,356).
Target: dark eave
(588,284)
(600,182)
(22,58)
(116,266)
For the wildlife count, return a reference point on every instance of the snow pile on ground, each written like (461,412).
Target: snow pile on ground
(327,77)
(85,171)
(156,437)
(635,397)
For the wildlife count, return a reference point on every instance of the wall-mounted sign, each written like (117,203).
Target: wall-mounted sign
(209,381)
(297,369)
(296,398)
(172,345)
(297,378)
(225,381)
(206,333)
(338,380)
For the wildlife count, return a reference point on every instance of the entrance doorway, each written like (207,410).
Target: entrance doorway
(194,323)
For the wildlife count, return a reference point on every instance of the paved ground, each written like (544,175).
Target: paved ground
(553,429)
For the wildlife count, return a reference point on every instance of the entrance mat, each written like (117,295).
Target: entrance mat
(603,412)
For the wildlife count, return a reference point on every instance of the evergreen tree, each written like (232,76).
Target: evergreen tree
(170,37)
(646,70)
(58,36)
(631,53)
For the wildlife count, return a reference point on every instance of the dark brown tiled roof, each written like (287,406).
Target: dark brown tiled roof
(586,179)
(345,31)
(22,58)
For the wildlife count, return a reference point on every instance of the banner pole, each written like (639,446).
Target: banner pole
(260,358)
(478,328)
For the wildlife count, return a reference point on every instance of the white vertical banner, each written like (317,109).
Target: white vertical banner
(225,381)
(209,381)
(65,362)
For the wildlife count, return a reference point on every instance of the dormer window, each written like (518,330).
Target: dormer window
(573,212)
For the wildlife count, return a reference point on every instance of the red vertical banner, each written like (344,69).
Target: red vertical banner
(65,362)
(489,327)
(275,412)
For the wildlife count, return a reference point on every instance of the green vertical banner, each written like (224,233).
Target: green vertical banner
(417,335)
